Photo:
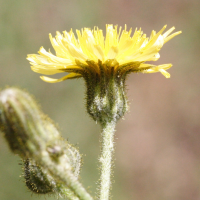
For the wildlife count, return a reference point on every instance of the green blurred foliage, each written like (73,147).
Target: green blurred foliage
(157,146)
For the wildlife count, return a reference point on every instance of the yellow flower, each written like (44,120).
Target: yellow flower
(118,51)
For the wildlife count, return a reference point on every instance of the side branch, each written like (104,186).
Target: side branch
(67,178)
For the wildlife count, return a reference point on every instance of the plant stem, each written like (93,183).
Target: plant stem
(69,194)
(67,178)
(108,129)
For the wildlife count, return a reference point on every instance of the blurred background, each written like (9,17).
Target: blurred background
(158,144)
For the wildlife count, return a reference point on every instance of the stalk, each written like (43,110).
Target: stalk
(108,129)
(67,178)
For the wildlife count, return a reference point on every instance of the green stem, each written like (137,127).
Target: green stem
(108,129)
(69,194)
(67,178)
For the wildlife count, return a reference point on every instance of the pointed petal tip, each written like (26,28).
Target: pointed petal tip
(49,80)
(164,27)
(41,48)
(164,73)
(53,80)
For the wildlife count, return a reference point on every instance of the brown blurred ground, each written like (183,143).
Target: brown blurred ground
(158,145)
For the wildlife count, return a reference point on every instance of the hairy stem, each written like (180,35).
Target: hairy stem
(108,129)
(67,178)
(69,194)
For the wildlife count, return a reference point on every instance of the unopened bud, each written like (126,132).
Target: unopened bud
(25,127)
(40,181)
(36,139)
(37,179)
(63,153)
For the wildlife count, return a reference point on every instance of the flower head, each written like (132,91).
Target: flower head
(118,51)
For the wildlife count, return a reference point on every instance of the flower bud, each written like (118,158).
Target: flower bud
(25,127)
(35,138)
(37,179)
(63,153)
(40,181)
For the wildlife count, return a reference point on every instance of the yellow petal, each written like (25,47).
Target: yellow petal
(52,80)
(168,32)
(163,72)
(171,36)
(91,46)
(160,68)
